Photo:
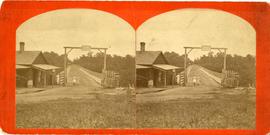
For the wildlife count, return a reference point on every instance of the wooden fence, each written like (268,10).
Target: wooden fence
(110,79)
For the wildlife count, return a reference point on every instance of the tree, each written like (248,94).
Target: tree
(175,59)
(245,66)
(54,58)
(125,66)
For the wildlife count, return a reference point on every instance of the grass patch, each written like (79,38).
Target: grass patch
(223,112)
(103,112)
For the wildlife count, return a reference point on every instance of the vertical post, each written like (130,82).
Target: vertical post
(105,59)
(65,67)
(45,79)
(165,79)
(185,68)
(52,78)
(173,78)
(104,73)
(225,55)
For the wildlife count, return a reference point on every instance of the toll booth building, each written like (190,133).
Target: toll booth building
(153,69)
(33,70)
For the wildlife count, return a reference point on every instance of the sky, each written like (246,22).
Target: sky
(170,31)
(53,30)
(173,30)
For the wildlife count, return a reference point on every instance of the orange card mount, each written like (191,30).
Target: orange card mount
(14,13)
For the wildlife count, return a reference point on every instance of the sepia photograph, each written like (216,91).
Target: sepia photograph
(134,67)
(75,68)
(182,69)
(196,69)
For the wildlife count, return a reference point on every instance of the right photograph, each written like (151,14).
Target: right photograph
(196,69)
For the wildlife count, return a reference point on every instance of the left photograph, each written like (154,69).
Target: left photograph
(75,68)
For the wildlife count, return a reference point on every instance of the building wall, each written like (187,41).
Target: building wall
(39,77)
(143,76)
(43,78)
(22,76)
(171,78)
(157,78)
(157,75)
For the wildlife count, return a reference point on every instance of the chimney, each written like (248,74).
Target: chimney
(142,46)
(22,46)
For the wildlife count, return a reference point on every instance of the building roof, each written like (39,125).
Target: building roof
(26,57)
(146,57)
(142,67)
(21,67)
(45,66)
(165,66)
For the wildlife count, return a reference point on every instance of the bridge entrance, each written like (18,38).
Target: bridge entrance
(203,48)
(68,49)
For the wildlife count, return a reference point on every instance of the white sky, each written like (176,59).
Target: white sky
(75,27)
(173,30)
(170,31)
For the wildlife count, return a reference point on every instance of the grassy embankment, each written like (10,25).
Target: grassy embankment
(224,111)
(102,112)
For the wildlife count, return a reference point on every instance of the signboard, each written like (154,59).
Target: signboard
(86,48)
(206,48)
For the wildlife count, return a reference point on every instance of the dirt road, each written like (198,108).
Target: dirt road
(86,87)
(84,105)
(205,78)
(83,77)
(207,87)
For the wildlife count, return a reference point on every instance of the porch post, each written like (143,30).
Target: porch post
(65,67)
(53,77)
(173,78)
(45,78)
(185,68)
(38,78)
(105,60)
(224,64)
(165,77)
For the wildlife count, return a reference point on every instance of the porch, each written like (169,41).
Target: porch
(36,75)
(157,75)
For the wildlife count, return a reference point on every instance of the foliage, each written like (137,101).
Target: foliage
(54,58)
(245,66)
(124,65)
(175,59)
